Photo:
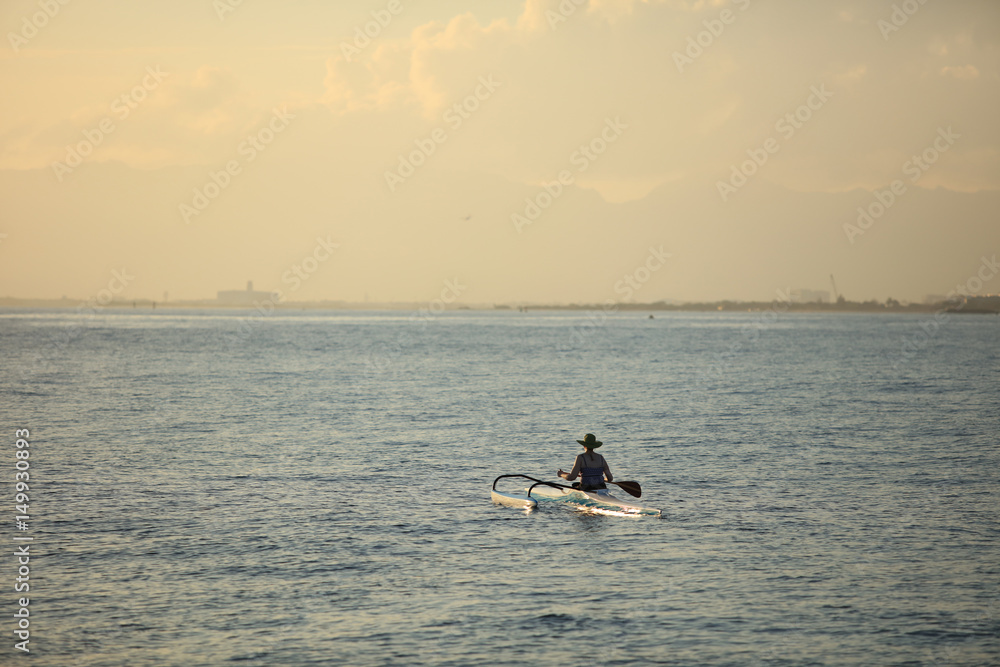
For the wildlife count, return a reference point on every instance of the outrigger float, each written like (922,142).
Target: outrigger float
(594,502)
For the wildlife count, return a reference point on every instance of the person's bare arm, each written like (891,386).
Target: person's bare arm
(607,470)
(572,474)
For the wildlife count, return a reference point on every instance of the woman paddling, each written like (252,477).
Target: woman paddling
(589,466)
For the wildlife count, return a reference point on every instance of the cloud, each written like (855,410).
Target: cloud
(209,102)
(601,60)
(424,71)
(851,76)
(965,72)
(609,58)
(938,47)
(378,82)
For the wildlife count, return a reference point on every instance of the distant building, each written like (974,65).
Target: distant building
(809,296)
(931,299)
(988,303)
(247,297)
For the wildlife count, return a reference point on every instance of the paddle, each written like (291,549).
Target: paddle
(631,488)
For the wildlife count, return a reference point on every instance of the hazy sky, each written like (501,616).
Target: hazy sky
(196,145)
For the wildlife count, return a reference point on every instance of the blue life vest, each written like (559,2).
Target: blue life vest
(591,478)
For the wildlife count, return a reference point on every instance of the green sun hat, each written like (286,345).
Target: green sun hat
(590,442)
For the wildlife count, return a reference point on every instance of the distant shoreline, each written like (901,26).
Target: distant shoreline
(974,305)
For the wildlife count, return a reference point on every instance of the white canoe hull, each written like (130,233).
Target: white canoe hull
(513,499)
(597,502)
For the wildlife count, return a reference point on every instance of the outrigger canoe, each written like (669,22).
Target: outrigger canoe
(595,502)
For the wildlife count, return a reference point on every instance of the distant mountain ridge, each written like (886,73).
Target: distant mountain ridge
(439,225)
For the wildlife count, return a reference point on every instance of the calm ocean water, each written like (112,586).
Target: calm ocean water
(216,488)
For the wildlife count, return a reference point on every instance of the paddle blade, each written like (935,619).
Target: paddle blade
(631,488)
